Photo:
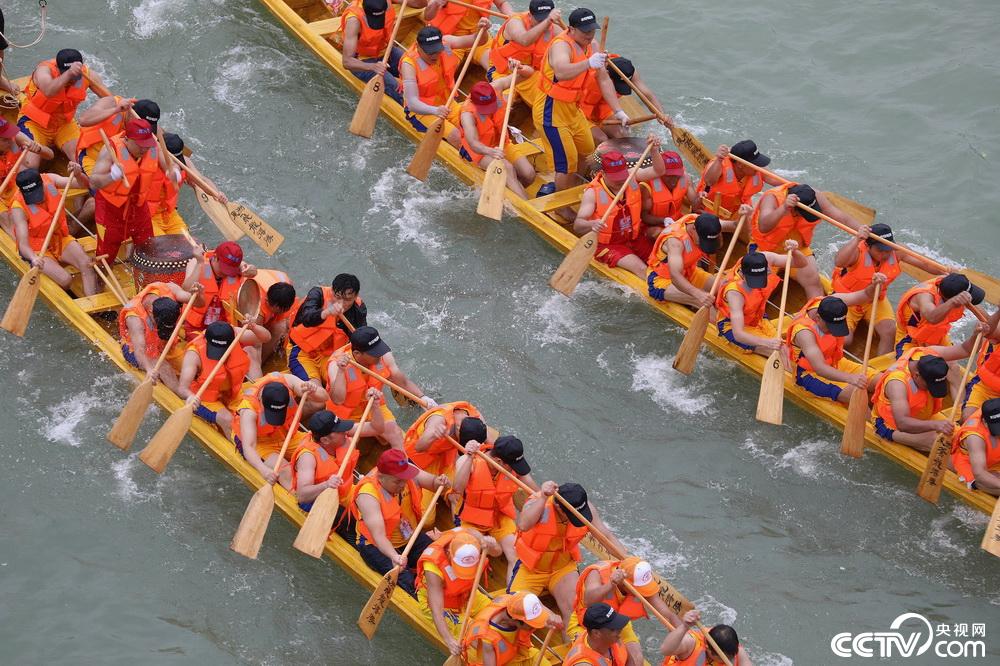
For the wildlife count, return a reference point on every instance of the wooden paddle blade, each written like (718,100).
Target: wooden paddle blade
(853,442)
(315,532)
(929,487)
(366,114)
(250,534)
(687,354)
(15,319)
(127,424)
(863,214)
(219,215)
(494,186)
(991,539)
(573,266)
(422,160)
(691,148)
(260,232)
(402,400)
(371,614)
(162,447)
(771,401)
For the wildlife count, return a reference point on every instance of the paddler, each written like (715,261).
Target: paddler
(219,272)
(275,308)
(445,573)
(670,193)
(500,635)
(975,450)
(453,19)
(317,459)
(685,645)
(910,394)
(367,27)
(777,218)
(567,68)
(265,414)
(164,190)
(488,495)
(427,442)
(48,113)
(428,72)
(12,142)
(733,183)
(348,385)
(317,330)
(927,311)
(524,37)
(481,119)
(146,322)
(622,240)
(674,273)
(604,583)
(35,203)
(386,506)
(815,342)
(598,111)
(110,115)
(547,544)
(985,384)
(742,302)
(601,644)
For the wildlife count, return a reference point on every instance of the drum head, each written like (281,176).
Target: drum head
(248,298)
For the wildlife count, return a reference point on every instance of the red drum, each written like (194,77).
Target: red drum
(631,148)
(161,259)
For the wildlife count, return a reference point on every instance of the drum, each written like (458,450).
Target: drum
(161,259)
(630,147)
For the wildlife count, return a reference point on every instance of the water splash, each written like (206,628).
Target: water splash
(245,68)
(668,388)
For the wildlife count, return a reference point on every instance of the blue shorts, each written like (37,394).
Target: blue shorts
(205,414)
(293,363)
(22,123)
(901,344)
(882,430)
(391,74)
(816,386)
(130,357)
(968,390)
(415,121)
(726,331)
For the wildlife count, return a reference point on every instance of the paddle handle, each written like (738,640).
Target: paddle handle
(114,156)
(784,291)
(480,567)
(545,646)
(641,95)
(13,171)
(196,179)
(346,322)
(420,523)
(965,375)
(638,120)
(173,334)
(729,253)
(293,428)
(222,361)
(55,219)
(510,105)
(481,10)
(356,438)
(604,34)
(465,68)
(392,37)
(415,398)
(871,331)
(628,181)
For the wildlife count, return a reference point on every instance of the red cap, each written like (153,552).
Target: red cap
(483,96)
(613,163)
(395,463)
(141,132)
(8,130)
(230,256)
(675,167)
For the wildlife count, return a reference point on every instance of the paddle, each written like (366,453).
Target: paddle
(545,646)
(456,660)
(853,442)
(315,531)
(929,487)
(401,400)
(371,614)
(602,46)
(216,211)
(15,319)
(991,538)
(638,120)
(114,156)
(770,402)
(250,533)
(687,354)
(127,424)
(571,270)
(366,114)
(97,266)
(163,445)
(111,279)
(495,182)
(420,165)
(481,10)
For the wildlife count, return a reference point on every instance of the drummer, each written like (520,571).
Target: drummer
(218,272)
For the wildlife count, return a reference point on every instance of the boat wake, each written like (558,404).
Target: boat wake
(247,68)
(153,17)
(669,389)
(62,421)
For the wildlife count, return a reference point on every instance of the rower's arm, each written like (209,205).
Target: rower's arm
(529,481)
(463,470)
(608,90)
(826,206)
(605,530)
(338,383)
(189,370)
(503,6)
(316,400)
(49,85)
(678,643)
(516,32)
(895,391)
(806,342)
(178,293)
(847,254)
(455,42)
(860,297)
(429,435)
(675,262)
(712,172)
(376,421)
(737,322)
(432,9)
(562,66)
(397,375)
(531,512)
(248,438)
(100,175)
(770,213)
(98,112)
(924,304)
(435,600)
(985,479)
(799,260)
(585,213)
(26,142)
(594,590)
(95,83)
(311,311)
(137,338)
(411,92)
(661,606)
(21,234)
(306,490)
(371,514)
(192,271)
(472,134)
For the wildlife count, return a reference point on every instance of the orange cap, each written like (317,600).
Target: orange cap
(640,575)
(463,551)
(527,608)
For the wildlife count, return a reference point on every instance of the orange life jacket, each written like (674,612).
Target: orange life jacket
(484,631)
(830,345)
(357,384)
(137,308)
(371,43)
(921,331)
(667,202)
(570,90)
(959,450)
(90,135)
(988,367)
(922,404)
(691,251)
(323,339)
(791,225)
(214,292)
(595,108)
(39,216)
(327,465)
(488,495)
(252,395)
(163,192)
(581,653)
(138,172)
(392,512)
(441,454)
(434,82)
(454,19)
(623,224)
(265,279)
(732,191)
(503,49)
(698,656)
(552,534)
(487,126)
(235,370)
(754,300)
(456,590)
(626,604)
(54,112)
(859,275)
(7,161)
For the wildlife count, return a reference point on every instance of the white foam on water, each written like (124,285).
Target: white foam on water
(668,563)
(791,174)
(244,69)
(155,16)
(969,517)
(941,538)
(806,459)
(100,67)
(715,609)
(60,423)
(558,317)
(436,316)
(770,659)
(668,388)
(410,205)
(127,488)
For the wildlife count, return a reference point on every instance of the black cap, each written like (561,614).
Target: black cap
(323,422)
(807,197)
(934,370)
(583,19)
(747,150)
(833,312)
(472,429)
(951,285)
(880,230)
(66,57)
(755,268)
(274,399)
(709,230)
(577,498)
(430,40)
(365,339)
(540,9)
(628,69)
(603,616)
(510,450)
(166,312)
(30,183)
(991,415)
(174,144)
(148,110)
(375,13)
(218,336)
